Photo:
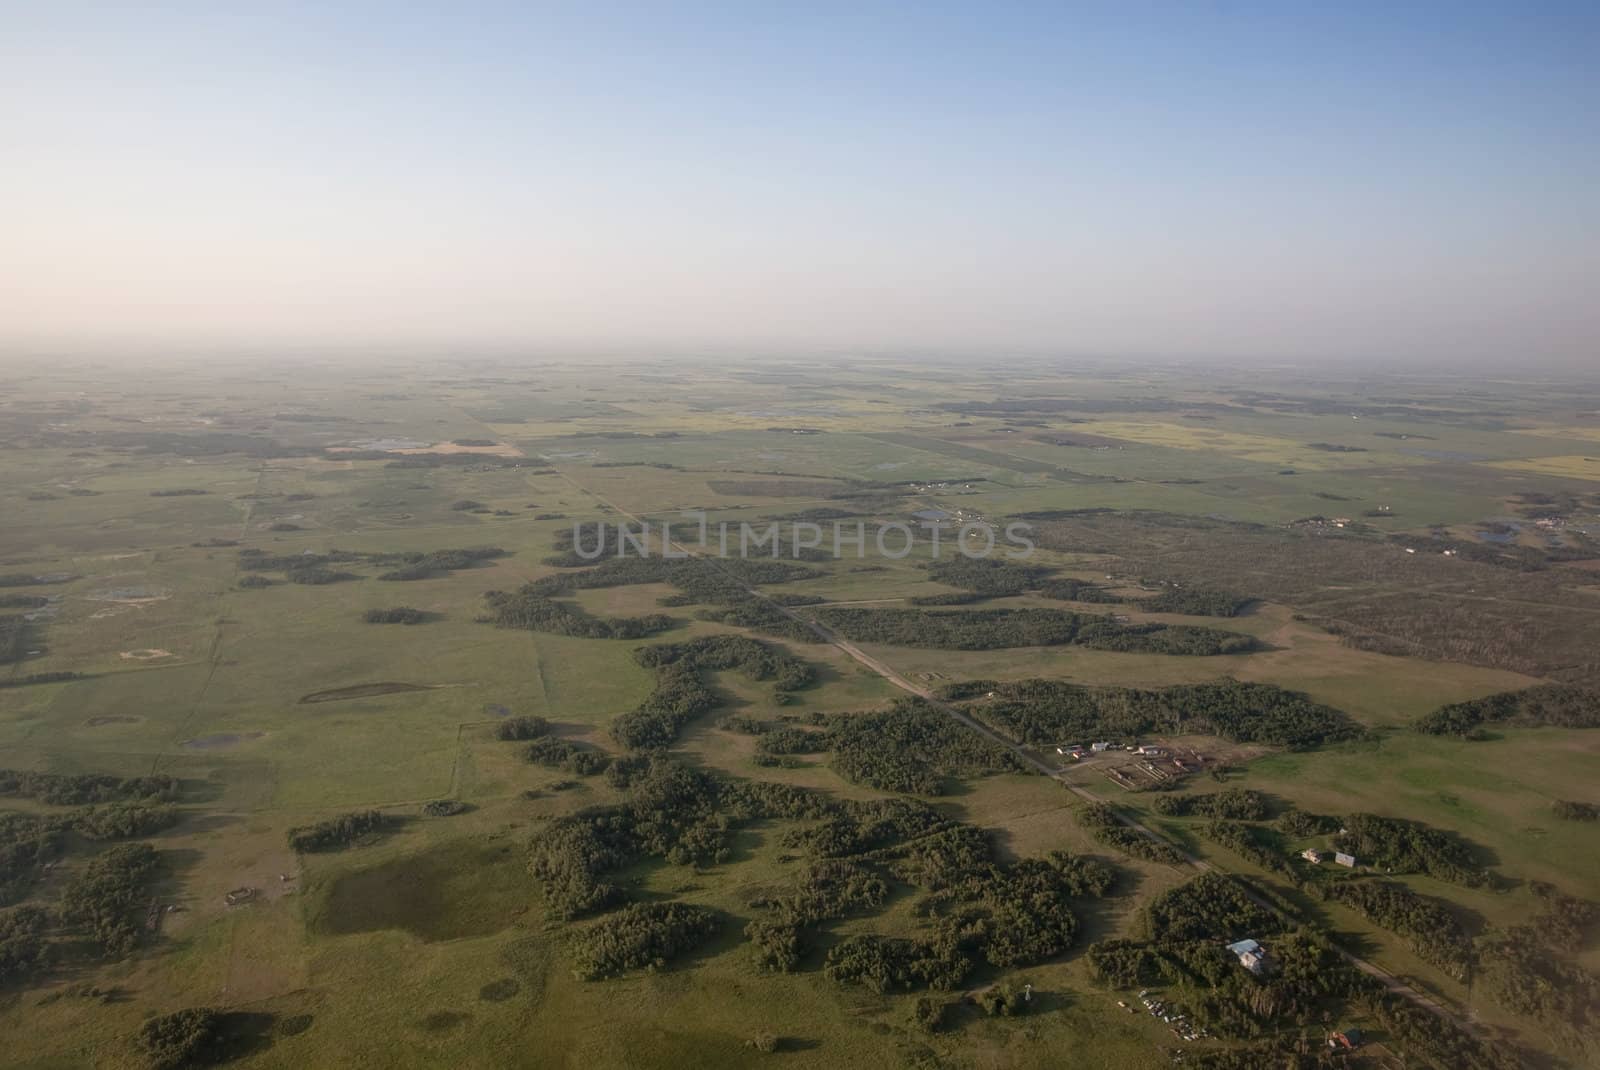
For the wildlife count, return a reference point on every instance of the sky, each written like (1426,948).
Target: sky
(1287,181)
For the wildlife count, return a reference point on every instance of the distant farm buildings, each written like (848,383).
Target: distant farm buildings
(1314,856)
(1344,859)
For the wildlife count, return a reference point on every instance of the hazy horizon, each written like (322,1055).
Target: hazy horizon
(1411,187)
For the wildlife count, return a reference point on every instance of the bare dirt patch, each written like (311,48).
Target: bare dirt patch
(148,654)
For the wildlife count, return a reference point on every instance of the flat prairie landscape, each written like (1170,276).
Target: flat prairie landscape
(317,717)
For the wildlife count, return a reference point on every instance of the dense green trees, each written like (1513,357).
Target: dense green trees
(643,935)
(1239,804)
(1124,963)
(337,833)
(993,629)
(884,963)
(760,615)
(423,566)
(182,1039)
(566,755)
(521,728)
(986,576)
(526,608)
(23,951)
(1567,810)
(1409,847)
(1071,590)
(1212,907)
(1102,822)
(121,821)
(34,678)
(1042,712)
(27,841)
(395,615)
(1557,705)
(68,789)
(680,692)
(1196,602)
(1302,825)
(1251,842)
(1433,932)
(911,747)
(13,638)
(108,897)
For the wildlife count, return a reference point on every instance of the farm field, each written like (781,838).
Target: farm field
(257,603)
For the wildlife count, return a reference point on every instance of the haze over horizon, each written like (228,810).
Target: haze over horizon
(1414,185)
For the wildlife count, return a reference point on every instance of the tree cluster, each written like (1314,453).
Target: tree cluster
(426,566)
(911,747)
(529,610)
(521,728)
(337,833)
(395,615)
(563,754)
(1196,602)
(1212,907)
(107,898)
(182,1039)
(986,576)
(994,629)
(23,950)
(1101,821)
(1567,810)
(1071,590)
(77,789)
(1554,705)
(1042,712)
(1246,842)
(1433,932)
(1409,847)
(641,936)
(1238,804)
(681,693)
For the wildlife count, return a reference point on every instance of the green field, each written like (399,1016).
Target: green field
(277,705)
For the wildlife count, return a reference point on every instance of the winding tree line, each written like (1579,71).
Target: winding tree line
(1555,705)
(1043,712)
(337,833)
(1434,933)
(320,568)
(525,608)
(681,692)
(78,789)
(988,577)
(993,629)
(1239,804)
(1102,822)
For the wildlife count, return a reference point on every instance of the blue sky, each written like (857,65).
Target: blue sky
(1282,181)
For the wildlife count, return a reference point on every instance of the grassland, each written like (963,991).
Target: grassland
(432,945)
